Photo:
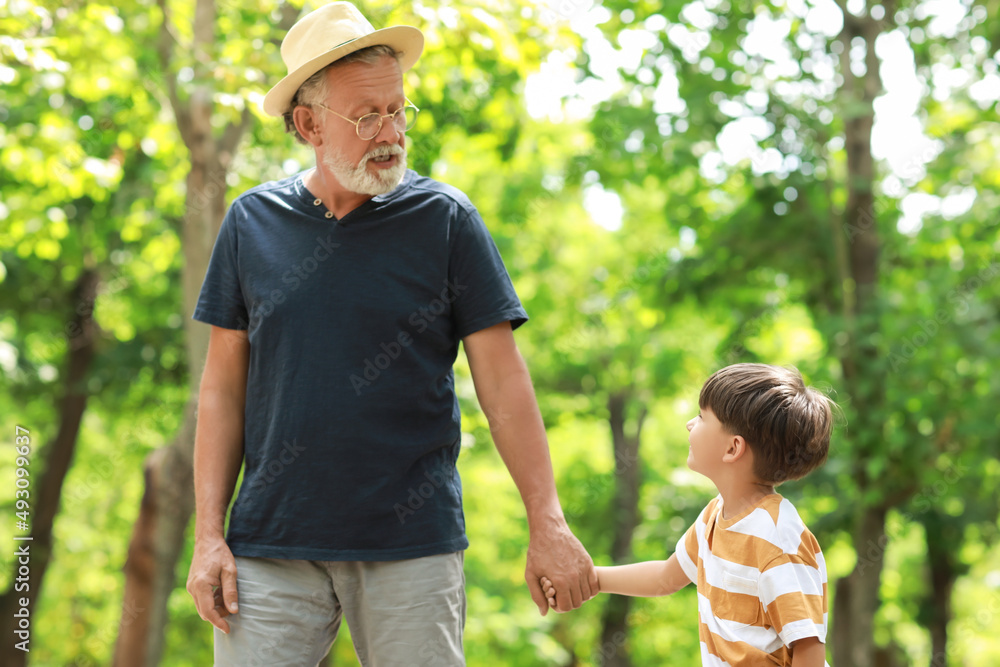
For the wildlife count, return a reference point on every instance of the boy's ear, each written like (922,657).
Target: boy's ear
(735,450)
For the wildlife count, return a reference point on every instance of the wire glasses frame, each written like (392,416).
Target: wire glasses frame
(369,125)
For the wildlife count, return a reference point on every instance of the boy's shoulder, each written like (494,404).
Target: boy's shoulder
(712,509)
(776,524)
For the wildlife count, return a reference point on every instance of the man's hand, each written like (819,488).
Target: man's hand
(212,582)
(558,556)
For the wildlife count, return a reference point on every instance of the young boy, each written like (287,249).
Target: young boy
(760,573)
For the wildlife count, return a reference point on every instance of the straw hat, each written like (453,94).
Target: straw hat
(329,33)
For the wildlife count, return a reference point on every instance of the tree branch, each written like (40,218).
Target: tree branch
(232,135)
(204,31)
(164,51)
(289,14)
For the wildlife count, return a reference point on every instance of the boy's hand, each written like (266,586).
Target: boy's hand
(550,591)
(555,553)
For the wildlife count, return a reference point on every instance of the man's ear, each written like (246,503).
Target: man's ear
(305,123)
(735,450)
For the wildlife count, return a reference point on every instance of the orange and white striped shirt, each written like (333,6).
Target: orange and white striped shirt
(761,583)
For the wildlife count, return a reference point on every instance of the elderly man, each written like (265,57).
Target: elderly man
(337,299)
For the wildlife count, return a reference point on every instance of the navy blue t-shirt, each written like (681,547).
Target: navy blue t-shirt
(352,426)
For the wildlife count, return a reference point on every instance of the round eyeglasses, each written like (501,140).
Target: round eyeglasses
(369,125)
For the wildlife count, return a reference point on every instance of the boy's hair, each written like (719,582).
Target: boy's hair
(785,423)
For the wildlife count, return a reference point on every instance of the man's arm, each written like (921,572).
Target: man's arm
(505,393)
(808,652)
(218,454)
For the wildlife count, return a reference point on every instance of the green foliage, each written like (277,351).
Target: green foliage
(715,262)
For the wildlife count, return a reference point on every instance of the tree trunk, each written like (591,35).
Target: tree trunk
(865,378)
(44,494)
(168,500)
(614,619)
(854,642)
(944,572)
(157,540)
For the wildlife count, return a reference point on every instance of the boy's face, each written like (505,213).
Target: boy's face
(709,441)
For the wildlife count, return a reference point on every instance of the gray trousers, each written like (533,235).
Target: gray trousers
(406,612)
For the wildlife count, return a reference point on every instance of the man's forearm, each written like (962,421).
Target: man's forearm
(218,454)
(503,386)
(519,435)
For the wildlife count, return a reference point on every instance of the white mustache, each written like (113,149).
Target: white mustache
(383,151)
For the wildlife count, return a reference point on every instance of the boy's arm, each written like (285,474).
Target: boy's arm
(807,652)
(648,579)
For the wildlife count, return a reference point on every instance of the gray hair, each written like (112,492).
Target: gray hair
(315,89)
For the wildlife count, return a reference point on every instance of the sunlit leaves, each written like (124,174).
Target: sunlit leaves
(716,261)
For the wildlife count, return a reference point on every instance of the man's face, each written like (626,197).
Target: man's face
(377,165)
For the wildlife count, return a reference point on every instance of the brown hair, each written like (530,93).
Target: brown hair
(785,423)
(315,89)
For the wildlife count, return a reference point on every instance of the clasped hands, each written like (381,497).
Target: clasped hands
(558,561)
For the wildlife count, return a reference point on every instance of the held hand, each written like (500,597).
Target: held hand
(550,591)
(556,554)
(212,582)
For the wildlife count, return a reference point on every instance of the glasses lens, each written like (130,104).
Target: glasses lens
(409,116)
(404,118)
(369,125)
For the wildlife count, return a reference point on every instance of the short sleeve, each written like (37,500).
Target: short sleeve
(792,588)
(687,549)
(221,301)
(484,293)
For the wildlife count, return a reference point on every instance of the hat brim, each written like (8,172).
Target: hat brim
(406,40)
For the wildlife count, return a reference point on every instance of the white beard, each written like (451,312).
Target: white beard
(357,178)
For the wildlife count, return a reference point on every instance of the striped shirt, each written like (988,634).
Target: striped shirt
(761,583)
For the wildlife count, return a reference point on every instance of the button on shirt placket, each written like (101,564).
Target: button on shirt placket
(319,202)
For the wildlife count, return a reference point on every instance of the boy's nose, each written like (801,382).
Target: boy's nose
(690,424)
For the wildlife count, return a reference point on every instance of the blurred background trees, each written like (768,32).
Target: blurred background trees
(674,187)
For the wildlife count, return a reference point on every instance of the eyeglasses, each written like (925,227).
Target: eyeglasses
(369,125)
